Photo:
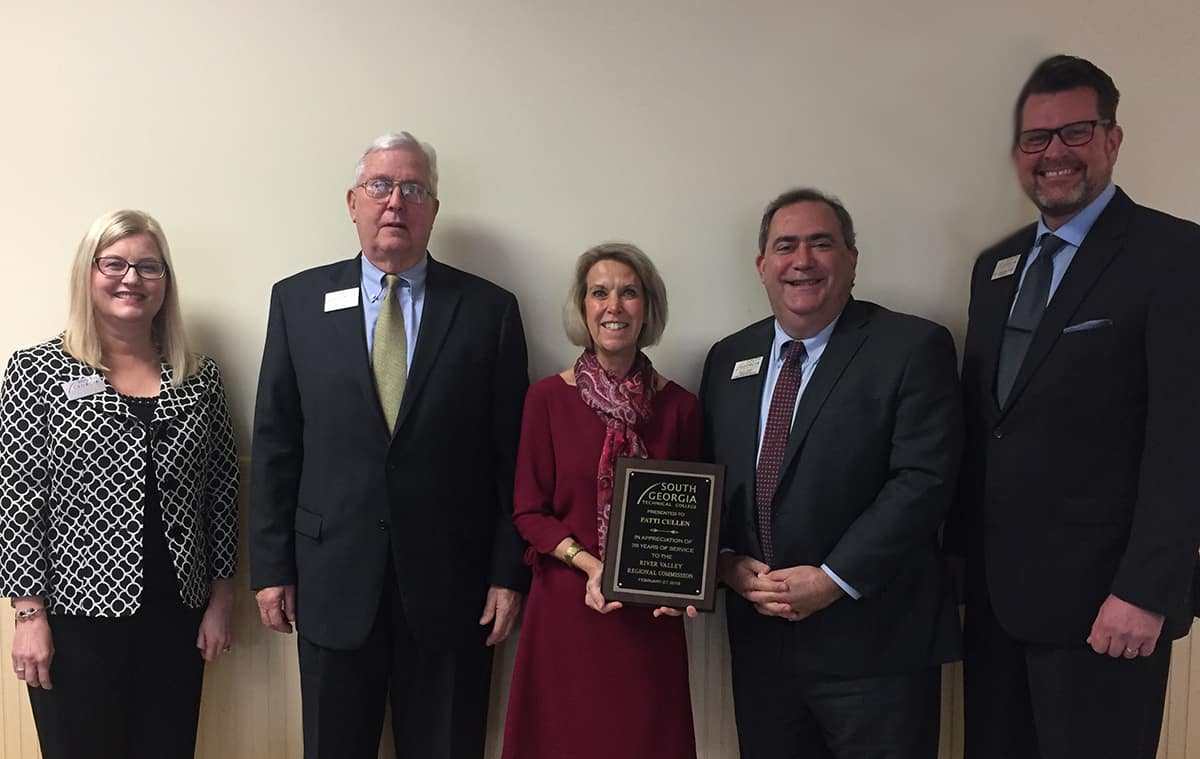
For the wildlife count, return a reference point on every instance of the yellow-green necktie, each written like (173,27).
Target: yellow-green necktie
(389,356)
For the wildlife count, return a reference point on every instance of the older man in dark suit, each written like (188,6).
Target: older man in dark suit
(1078,506)
(840,426)
(385,435)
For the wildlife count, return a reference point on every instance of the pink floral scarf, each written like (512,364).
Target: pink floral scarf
(624,403)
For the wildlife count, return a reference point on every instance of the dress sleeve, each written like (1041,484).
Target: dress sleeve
(24,479)
(691,429)
(533,491)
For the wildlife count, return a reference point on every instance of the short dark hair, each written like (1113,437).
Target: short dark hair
(1060,73)
(806,195)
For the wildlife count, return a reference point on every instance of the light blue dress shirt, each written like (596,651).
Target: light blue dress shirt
(1072,233)
(814,346)
(411,293)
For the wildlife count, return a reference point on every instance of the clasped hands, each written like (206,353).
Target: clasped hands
(791,593)
(1121,629)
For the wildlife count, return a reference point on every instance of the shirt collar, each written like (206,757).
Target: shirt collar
(372,277)
(814,345)
(1073,232)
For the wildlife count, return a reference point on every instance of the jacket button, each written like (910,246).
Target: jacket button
(381,524)
(997,434)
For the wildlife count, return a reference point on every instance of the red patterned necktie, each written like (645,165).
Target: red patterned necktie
(770,455)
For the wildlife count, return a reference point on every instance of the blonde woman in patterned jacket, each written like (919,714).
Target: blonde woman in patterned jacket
(118,508)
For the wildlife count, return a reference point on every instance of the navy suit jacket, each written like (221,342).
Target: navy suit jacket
(1084,483)
(333,490)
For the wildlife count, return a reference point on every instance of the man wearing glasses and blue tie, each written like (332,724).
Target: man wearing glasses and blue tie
(1077,504)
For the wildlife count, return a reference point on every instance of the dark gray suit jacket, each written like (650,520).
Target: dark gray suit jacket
(867,477)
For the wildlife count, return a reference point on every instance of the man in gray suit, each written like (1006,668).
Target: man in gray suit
(840,426)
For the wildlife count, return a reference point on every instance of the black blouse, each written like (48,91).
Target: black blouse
(159,585)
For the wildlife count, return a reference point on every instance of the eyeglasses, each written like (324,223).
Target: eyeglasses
(381,188)
(115,267)
(1072,135)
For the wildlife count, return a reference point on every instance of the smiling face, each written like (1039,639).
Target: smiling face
(393,232)
(806,268)
(128,300)
(614,309)
(1062,180)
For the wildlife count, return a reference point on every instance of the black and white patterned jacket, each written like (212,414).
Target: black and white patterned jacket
(72,482)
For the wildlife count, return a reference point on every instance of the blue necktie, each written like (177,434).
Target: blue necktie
(1026,314)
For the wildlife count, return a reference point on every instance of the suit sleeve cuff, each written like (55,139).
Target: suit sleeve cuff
(850,591)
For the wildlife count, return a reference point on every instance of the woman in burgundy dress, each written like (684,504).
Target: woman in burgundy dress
(593,679)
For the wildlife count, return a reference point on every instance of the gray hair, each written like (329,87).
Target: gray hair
(397,141)
(653,291)
(806,195)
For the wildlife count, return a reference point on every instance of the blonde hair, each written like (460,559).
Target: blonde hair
(81,338)
(653,290)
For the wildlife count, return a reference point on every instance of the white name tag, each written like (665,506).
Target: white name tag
(1005,266)
(339,299)
(83,387)
(747,367)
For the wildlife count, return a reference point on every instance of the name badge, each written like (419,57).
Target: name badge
(1005,266)
(747,367)
(340,299)
(82,387)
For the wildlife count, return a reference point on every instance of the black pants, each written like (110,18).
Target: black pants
(791,715)
(439,697)
(124,688)
(1037,701)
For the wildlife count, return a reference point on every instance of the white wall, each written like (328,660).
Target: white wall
(559,124)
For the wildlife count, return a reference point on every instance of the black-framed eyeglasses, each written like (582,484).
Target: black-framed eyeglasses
(1072,135)
(381,187)
(115,267)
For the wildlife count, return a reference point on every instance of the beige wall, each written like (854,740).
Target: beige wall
(560,124)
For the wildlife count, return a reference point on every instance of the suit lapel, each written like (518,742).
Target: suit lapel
(442,295)
(1103,242)
(349,348)
(848,336)
(744,405)
(995,299)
